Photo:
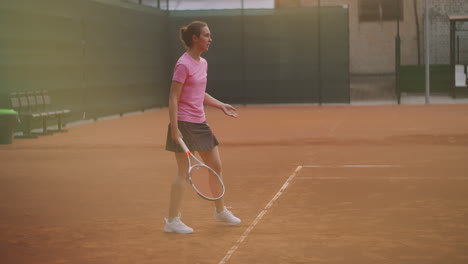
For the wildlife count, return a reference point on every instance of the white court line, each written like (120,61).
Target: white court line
(351,166)
(259,217)
(288,181)
(379,178)
(279,193)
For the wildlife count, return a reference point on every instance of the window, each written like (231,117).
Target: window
(380,10)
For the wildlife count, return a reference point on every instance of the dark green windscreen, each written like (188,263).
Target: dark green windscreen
(102,57)
(334,35)
(94,57)
(272,56)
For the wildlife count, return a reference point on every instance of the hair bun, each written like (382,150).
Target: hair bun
(187,31)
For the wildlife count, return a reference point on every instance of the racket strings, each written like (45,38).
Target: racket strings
(206,182)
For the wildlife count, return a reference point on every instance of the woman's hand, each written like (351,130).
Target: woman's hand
(175,134)
(229,110)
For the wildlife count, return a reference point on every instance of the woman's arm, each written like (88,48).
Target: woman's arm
(227,109)
(174,94)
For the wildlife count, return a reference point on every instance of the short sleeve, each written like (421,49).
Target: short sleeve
(180,73)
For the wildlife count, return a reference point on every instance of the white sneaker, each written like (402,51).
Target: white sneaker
(177,226)
(227,217)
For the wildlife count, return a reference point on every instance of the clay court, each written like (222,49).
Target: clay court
(312,184)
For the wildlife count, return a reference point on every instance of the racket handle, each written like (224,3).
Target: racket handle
(184,147)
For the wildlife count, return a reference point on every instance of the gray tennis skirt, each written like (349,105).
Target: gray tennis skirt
(197,137)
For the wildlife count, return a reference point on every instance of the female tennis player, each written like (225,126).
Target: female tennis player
(187,120)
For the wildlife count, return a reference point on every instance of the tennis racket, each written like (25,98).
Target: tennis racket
(204,180)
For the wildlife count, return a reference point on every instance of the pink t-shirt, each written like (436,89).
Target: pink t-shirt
(193,75)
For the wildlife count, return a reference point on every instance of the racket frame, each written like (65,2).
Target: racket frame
(191,167)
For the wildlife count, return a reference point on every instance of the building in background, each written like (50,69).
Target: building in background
(373,28)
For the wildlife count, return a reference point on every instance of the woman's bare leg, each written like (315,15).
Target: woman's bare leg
(178,186)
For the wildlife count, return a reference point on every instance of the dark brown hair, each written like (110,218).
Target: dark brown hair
(186,32)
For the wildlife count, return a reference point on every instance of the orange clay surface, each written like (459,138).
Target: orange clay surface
(99,193)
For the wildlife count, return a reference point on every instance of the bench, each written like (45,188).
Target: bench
(33,105)
(58,113)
